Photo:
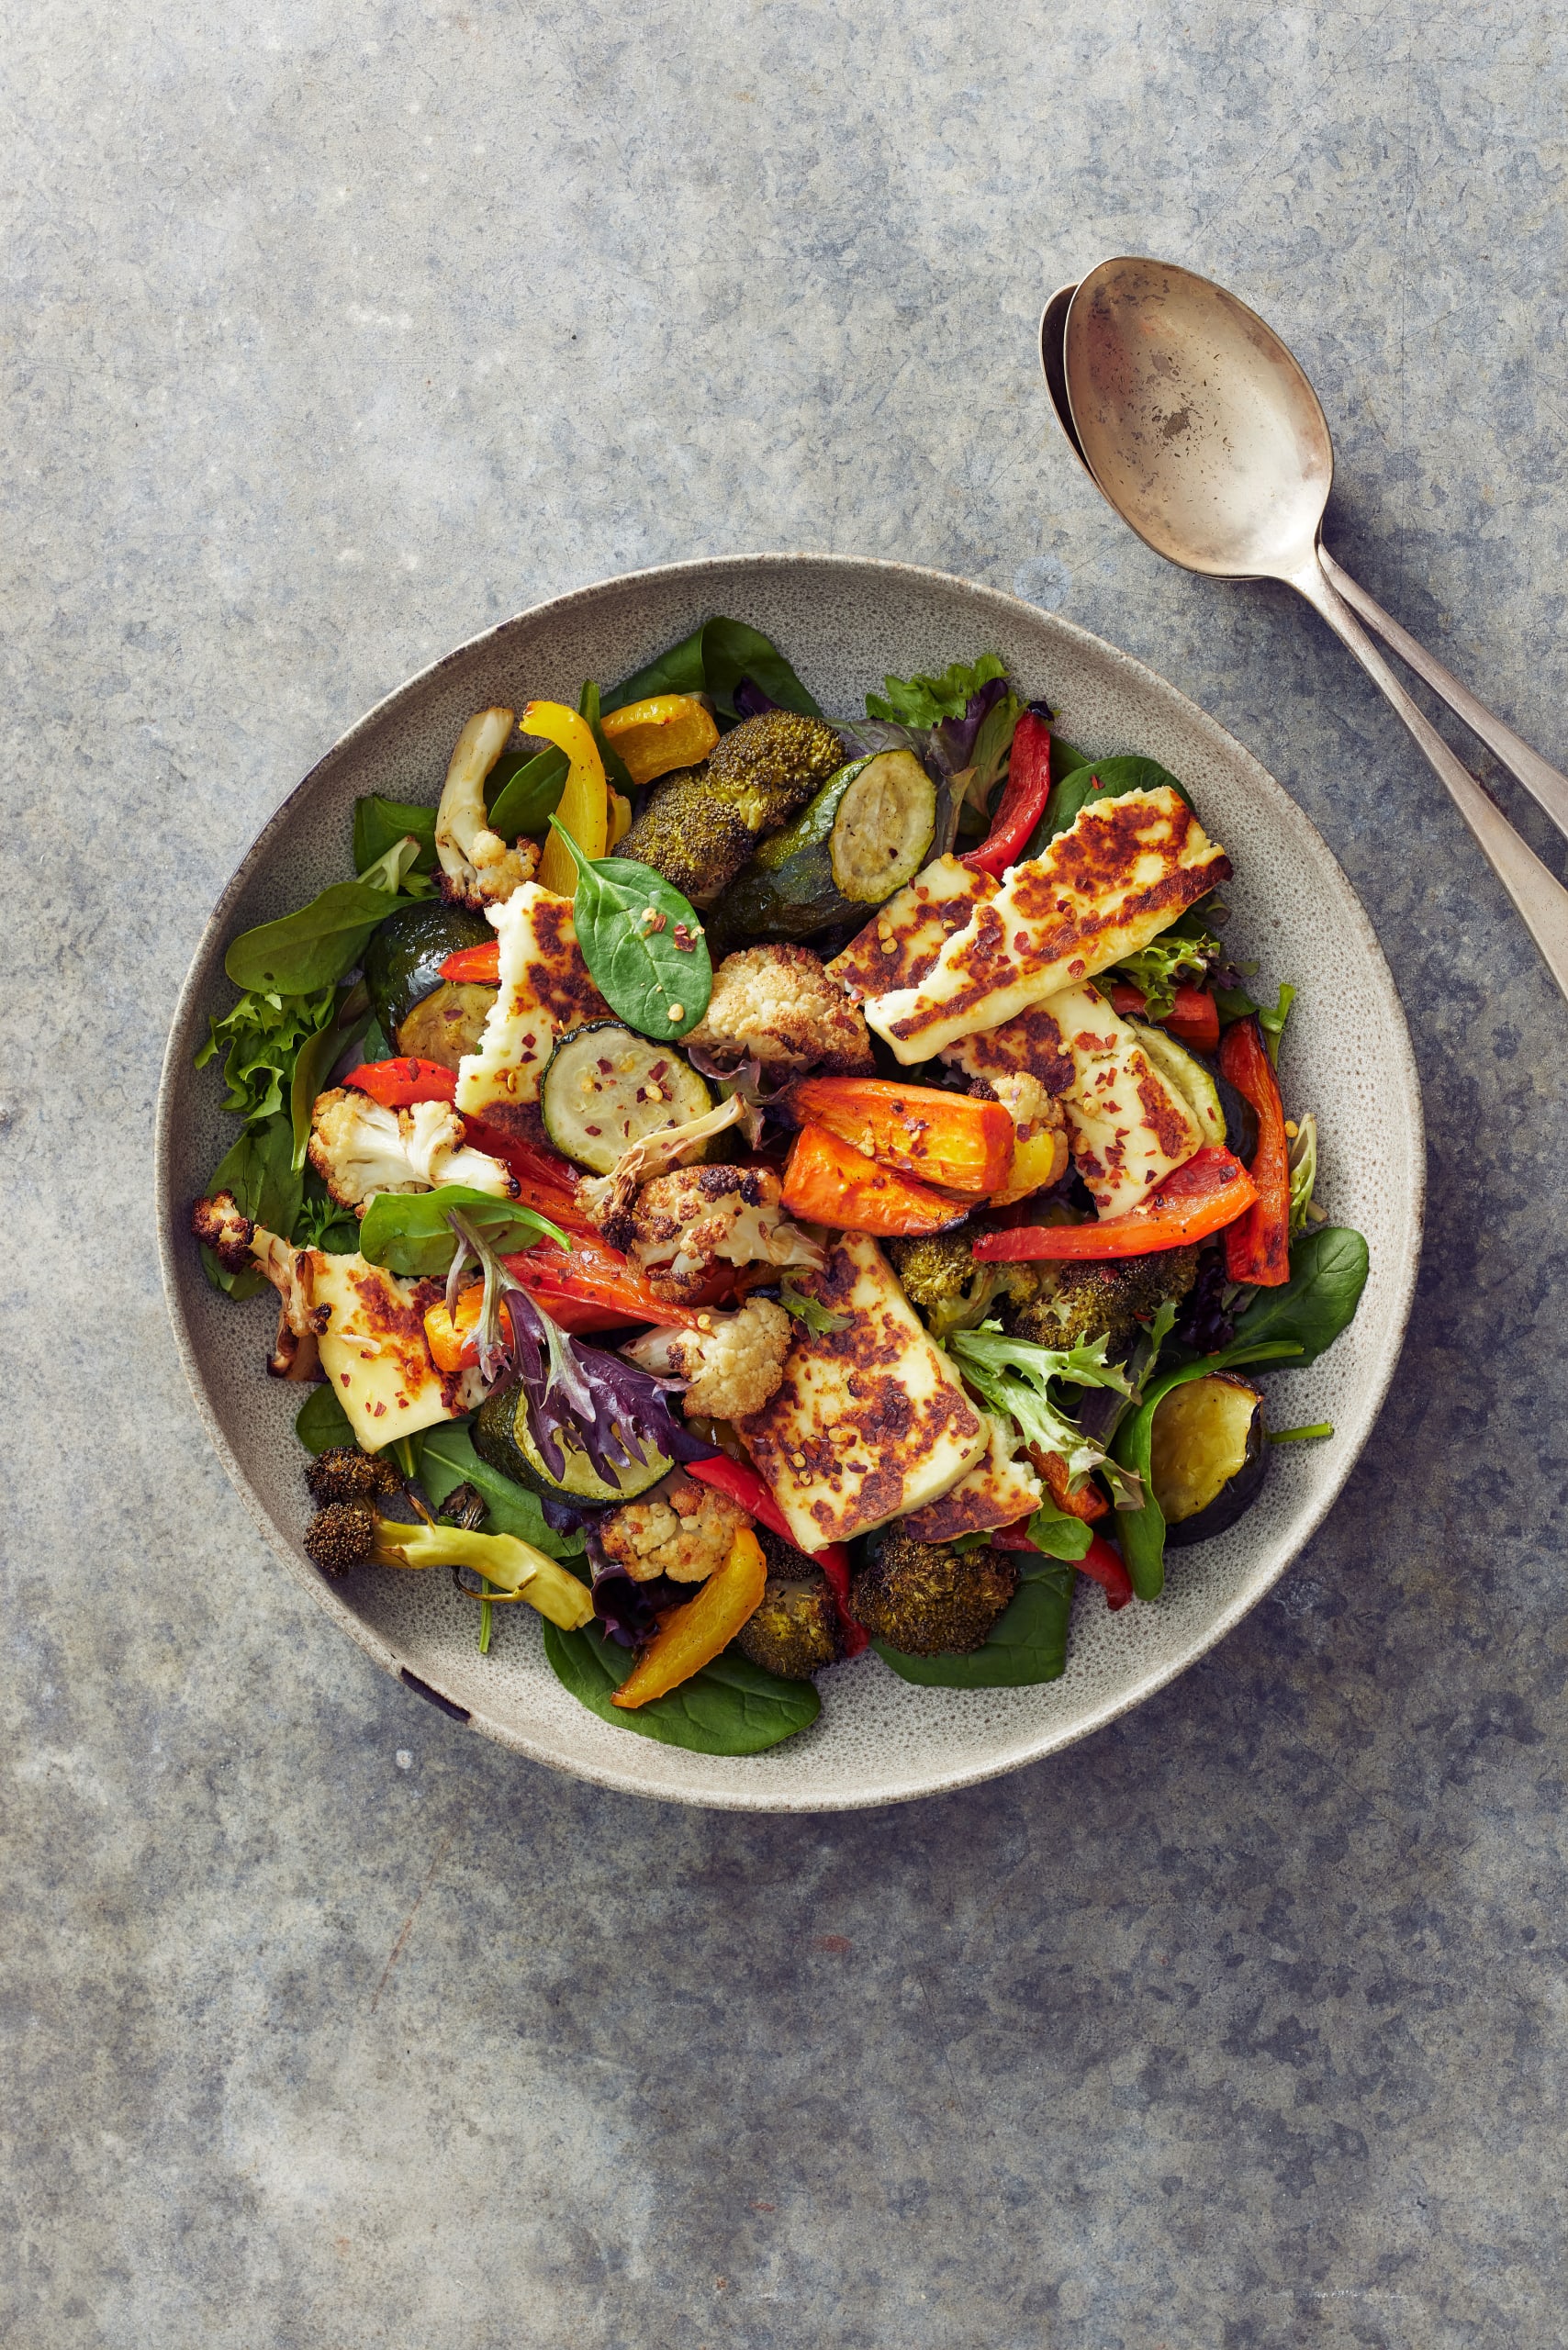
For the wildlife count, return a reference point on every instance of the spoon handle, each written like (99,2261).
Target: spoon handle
(1539,779)
(1540,897)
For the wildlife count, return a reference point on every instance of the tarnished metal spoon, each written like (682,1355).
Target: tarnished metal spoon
(1200,428)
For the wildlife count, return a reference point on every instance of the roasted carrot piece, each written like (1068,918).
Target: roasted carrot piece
(692,1636)
(829,1181)
(948,1138)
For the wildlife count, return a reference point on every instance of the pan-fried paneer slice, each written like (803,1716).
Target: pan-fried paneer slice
(545,991)
(371,1333)
(1127,1124)
(999,1492)
(1120,873)
(869,1419)
(904,938)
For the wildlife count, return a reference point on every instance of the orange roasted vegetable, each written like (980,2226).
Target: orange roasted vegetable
(953,1139)
(1089,1503)
(829,1181)
(692,1636)
(450,1337)
(656,736)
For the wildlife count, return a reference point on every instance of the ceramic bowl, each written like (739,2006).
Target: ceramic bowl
(844,622)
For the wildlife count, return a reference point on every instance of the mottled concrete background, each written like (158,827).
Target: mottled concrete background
(332,336)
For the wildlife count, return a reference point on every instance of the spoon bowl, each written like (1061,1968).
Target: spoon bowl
(1196,421)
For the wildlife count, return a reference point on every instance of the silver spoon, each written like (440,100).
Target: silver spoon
(1201,430)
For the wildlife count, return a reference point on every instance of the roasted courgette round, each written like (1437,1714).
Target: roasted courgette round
(1208,1456)
(1186,1073)
(608,1088)
(502,1437)
(402,970)
(866,833)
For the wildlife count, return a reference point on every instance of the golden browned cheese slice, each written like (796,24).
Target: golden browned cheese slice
(904,938)
(869,1420)
(545,990)
(1127,1124)
(374,1351)
(999,1492)
(1030,1045)
(1121,874)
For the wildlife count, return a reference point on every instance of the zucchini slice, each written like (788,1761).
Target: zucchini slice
(1182,1071)
(446,1023)
(1208,1455)
(502,1437)
(607,1088)
(868,831)
(402,963)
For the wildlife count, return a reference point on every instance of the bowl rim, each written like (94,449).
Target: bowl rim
(185,1021)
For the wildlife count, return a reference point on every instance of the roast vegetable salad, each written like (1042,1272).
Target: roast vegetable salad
(747,1187)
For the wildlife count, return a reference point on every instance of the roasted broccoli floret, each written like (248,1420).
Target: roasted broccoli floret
(942,1282)
(1073,1303)
(931,1598)
(795,1629)
(346,1474)
(340,1536)
(699,826)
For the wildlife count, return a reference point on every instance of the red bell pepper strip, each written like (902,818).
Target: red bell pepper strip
(595,1275)
(397,1085)
(545,1182)
(1023,802)
(482,963)
(1211,1190)
(1100,1562)
(1257,1249)
(742,1483)
(1193,1019)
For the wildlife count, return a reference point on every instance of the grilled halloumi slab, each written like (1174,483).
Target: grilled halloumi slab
(545,990)
(1030,1045)
(869,1420)
(1121,873)
(904,938)
(1128,1127)
(999,1492)
(374,1351)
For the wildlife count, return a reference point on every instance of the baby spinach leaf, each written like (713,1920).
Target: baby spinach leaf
(630,921)
(526,790)
(712,660)
(379,824)
(313,948)
(408,1231)
(449,1460)
(321,1422)
(732,1707)
(1027,1642)
(1056,1534)
(258,1171)
(1099,780)
(1329,1272)
(616,772)
(731,651)
(348,1019)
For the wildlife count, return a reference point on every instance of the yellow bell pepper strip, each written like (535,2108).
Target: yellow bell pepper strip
(656,736)
(584,808)
(620,820)
(516,1569)
(692,1636)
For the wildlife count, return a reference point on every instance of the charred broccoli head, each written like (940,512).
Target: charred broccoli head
(340,1536)
(795,1630)
(931,1598)
(346,1474)
(769,768)
(1073,1303)
(942,1282)
(691,834)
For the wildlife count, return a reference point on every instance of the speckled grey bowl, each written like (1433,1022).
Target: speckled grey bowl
(844,622)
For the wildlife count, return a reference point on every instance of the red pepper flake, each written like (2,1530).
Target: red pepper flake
(684,937)
(378,1412)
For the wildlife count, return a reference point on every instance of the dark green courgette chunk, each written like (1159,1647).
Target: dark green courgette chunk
(502,1437)
(1208,1455)
(446,1023)
(402,963)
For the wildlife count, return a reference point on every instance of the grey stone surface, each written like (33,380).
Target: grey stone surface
(332,336)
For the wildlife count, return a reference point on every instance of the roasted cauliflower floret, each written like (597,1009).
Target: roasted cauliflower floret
(358,1148)
(237,1242)
(477,868)
(931,1599)
(1072,1304)
(682,1226)
(777,1004)
(679,1528)
(796,1629)
(218,1225)
(731,1366)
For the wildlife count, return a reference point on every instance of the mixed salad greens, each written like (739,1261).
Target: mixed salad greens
(752,1187)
